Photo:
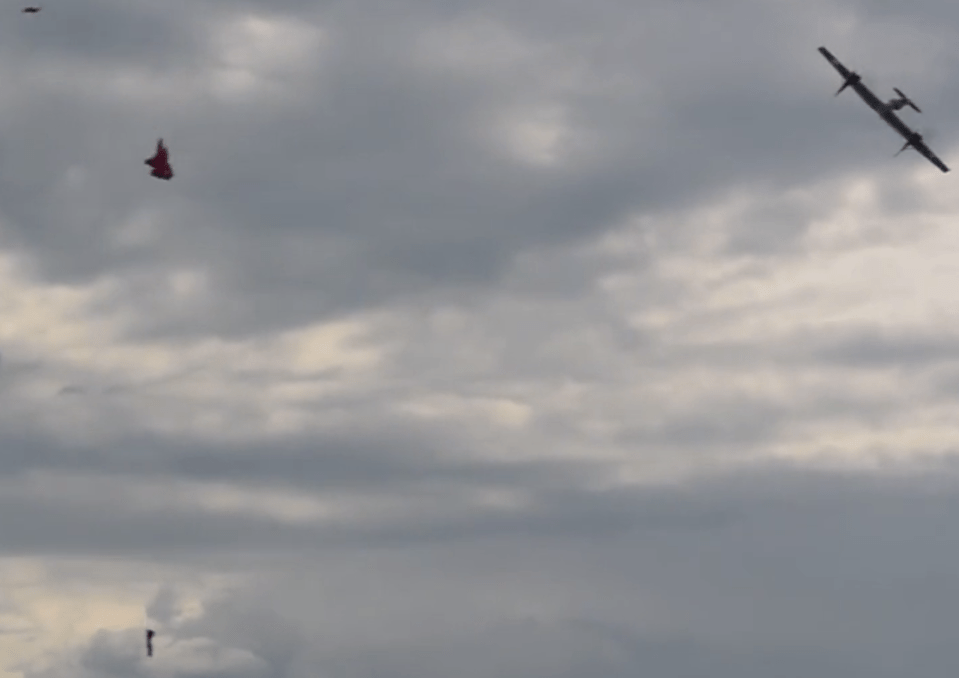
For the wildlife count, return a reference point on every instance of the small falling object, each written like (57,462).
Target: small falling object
(160,163)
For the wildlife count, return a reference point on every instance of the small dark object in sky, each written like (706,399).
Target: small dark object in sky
(150,635)
(31,10)
(160,163)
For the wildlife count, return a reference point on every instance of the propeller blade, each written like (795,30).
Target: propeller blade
(853,78)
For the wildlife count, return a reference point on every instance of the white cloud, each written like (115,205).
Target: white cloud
(253,52)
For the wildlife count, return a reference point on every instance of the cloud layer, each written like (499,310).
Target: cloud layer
(538,338)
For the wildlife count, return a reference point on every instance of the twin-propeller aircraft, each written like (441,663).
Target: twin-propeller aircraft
(886,110)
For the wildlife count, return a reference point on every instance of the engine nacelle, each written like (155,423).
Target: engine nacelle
(853,79)
(913,140)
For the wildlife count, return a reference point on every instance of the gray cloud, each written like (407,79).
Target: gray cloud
(818,571)
(380,179)
(487,342)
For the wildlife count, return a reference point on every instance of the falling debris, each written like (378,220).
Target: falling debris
(160,163)
(31,10)
(150,635)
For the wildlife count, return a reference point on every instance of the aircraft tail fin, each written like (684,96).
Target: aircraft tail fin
(906,100)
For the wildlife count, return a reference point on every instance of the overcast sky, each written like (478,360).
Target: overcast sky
(540,338)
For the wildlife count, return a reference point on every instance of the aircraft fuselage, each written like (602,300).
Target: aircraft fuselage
(880,107)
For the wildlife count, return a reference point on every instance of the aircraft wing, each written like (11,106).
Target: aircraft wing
(922,148)
(843,71)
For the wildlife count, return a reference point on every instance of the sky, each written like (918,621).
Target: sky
(546,338)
